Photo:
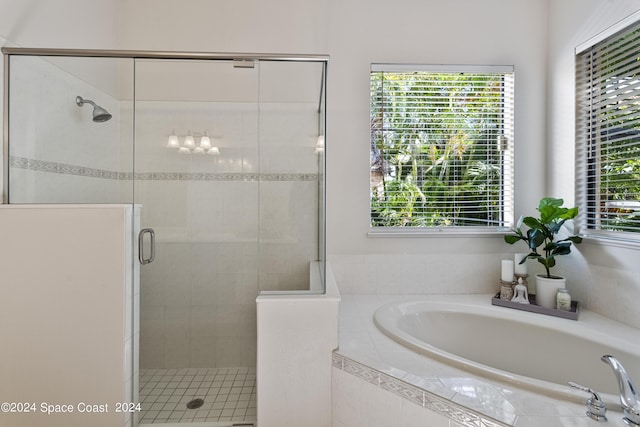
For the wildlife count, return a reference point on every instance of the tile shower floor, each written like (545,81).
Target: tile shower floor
(229,394)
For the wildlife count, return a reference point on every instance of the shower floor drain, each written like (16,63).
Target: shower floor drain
(195,403)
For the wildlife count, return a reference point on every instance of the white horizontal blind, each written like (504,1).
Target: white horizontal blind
(608,136)
(441,146)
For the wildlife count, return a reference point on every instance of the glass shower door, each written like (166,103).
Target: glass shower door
(196,180)
(292,128)
(228,172)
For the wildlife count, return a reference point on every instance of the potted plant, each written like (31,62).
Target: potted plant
(542,234)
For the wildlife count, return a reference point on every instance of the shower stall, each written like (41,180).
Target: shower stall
(221,157)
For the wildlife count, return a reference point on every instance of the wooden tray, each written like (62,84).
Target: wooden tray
(533,308)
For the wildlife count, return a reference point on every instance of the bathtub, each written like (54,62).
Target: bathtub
(527,350)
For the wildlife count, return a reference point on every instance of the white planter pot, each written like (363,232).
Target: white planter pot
(547,288)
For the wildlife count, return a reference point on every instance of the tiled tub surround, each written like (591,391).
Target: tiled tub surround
(419,388)
(610,289)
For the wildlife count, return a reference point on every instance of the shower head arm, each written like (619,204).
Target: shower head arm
(81,101)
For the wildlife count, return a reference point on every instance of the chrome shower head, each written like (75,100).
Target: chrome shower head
(99,113)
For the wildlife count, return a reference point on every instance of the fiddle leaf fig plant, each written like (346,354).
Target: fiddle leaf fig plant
(542,233)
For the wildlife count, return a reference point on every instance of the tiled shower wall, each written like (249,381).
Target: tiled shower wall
(57,153)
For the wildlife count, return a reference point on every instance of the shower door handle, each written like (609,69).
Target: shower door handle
(152,242)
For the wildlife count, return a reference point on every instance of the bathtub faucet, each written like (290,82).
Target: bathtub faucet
(596,410)
(628,396)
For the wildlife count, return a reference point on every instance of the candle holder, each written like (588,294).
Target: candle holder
(506,290)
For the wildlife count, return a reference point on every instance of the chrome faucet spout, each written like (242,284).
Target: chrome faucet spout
(628,395)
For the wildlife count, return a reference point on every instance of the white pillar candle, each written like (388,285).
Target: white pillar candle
(507,270)
(519,268)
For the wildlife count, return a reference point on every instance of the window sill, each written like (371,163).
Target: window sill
(447,232)
(601,240)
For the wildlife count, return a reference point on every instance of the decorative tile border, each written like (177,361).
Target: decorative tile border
(461,415)
(63,168)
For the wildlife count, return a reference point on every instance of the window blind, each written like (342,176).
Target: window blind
(608,136)
(441,146)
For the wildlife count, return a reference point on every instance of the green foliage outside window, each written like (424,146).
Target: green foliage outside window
(435,160)
(608,135)
(620,177)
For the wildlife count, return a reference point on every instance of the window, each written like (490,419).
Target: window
(441,147)
(608,135)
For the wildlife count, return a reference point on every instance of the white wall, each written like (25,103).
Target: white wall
(67,289)
(60,24)
(278,26)
(605,277)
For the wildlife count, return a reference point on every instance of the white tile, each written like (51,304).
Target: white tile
(203,290)
(203,321)
(214,404)
(152,322)
(177,350)
(345,395)
(235,320)
(177,321)
(413,415)
(532,421)
(379,408)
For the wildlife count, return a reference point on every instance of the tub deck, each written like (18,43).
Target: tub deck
(470,400)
